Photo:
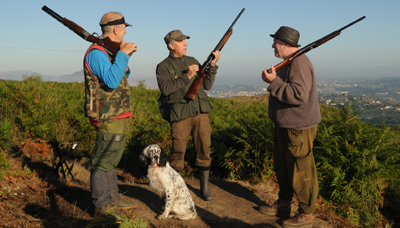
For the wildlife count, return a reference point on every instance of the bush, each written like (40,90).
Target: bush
(355,163)
(3,164)
(5,134)
(241,140)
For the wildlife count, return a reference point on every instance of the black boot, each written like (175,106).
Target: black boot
(204,174)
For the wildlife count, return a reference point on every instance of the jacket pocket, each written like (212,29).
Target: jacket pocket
(205,106)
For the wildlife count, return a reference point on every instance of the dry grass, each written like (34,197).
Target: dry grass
(250,99)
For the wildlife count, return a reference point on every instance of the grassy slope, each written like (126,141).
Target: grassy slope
(36,112)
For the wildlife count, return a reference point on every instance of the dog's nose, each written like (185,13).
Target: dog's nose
(155,156)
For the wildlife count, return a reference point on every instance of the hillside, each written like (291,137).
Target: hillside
(358,164)
(48,201)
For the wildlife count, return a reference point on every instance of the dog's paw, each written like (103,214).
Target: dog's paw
(161,217)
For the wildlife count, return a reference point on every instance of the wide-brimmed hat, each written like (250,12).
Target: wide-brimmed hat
(175,35)
(287,35)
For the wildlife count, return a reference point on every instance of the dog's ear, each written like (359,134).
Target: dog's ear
(143,156)
(163,158)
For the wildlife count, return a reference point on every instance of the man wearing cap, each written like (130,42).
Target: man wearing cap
(293,108)
(175,75)
(107,104)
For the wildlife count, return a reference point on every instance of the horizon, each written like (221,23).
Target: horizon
(359,52)
(18,76)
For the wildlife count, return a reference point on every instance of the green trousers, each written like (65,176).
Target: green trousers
(110,144)
(295,166)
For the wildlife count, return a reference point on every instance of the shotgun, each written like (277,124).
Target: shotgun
(110,46)
(313,45)
(194,89)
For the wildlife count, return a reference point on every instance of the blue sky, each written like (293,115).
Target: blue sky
(32,40)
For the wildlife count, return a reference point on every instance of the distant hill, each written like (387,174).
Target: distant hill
(75,77)
(18,76)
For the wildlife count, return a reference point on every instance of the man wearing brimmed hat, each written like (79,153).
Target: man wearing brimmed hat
(293,108)
(175,75)
(107,104)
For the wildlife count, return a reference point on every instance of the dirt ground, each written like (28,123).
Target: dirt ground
(41,199)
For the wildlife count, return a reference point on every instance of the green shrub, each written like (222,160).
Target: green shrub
(241,139)
(5,134)
(355,164)
(3,164)
(109,219)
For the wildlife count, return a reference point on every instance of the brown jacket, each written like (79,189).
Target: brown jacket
(293,100)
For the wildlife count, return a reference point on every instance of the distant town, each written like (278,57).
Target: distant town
(376,101)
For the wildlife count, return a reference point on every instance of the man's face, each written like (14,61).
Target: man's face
(121,32)
(279,47)
(179,48)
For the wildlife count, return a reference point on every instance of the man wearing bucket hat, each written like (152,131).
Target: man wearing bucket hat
(175,75)
(107,104)
(293,108)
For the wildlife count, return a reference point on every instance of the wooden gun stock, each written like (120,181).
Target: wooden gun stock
(313,45)
(202,73)
(111,46)
(194,89)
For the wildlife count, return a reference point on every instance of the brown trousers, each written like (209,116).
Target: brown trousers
(200,129)
(295,166)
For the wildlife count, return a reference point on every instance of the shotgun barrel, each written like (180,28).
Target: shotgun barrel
(194,89)
(111,46)
(313,45)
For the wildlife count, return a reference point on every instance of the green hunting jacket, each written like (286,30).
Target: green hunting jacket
(173,83)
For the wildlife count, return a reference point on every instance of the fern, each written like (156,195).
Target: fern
(5,134)
(353,160)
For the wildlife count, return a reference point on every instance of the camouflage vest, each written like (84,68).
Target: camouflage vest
(101,102)
(175,107)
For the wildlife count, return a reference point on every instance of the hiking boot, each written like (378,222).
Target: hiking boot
(122,204)
(299,220)
(280,208)
(98,211)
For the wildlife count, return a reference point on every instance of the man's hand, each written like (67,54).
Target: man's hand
(216,54)
(268,77)
(192,69)
(128,48)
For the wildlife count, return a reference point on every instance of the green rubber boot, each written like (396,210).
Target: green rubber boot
(204,190)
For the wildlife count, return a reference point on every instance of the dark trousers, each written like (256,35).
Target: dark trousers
(110,145)
(104,187)
(200,129)
(295,166)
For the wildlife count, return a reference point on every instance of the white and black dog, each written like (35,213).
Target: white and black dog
(168,184)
